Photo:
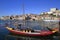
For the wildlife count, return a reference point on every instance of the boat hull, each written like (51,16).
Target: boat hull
(32,34)
(47,33)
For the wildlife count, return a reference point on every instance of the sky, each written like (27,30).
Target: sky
(14,7)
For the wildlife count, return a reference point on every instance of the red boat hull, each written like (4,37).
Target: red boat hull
(42,33)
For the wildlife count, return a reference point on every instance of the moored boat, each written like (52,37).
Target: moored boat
(32,33)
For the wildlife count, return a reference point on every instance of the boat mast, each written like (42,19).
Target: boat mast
(23,12)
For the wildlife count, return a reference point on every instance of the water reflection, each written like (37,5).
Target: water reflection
(10,37)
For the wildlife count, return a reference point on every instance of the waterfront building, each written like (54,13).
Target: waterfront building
(53,9)
(5,17)
(53,14)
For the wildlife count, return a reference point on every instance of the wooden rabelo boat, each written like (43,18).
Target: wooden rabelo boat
(32,33)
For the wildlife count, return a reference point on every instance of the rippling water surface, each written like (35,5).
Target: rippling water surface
(38,25)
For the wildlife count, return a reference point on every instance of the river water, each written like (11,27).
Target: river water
(38,25)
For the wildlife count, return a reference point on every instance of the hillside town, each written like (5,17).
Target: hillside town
(53,14)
